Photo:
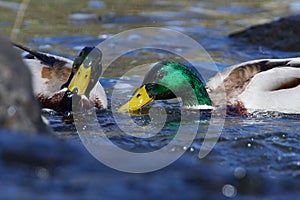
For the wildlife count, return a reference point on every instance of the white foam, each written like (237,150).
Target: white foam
(199,107)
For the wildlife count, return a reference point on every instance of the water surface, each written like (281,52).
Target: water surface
(265,144)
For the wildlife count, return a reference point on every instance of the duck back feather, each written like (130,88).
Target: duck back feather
(254,82)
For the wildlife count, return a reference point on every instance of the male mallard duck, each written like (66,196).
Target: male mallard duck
(259,85)
(55,78)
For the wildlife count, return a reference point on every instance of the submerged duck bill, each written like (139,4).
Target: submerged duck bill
(140,99)
(80,80)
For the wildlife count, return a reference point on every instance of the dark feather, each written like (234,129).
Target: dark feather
(46,59)
(240,77)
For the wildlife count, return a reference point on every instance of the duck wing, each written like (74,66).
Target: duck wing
(49,72)
(47,59)
(235,80)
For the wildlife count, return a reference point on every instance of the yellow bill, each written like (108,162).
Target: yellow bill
(139,100)
(80,80)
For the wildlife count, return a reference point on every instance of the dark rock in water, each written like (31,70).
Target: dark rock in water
(19,109)
(282,34)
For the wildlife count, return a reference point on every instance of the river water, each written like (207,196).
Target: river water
(266,145)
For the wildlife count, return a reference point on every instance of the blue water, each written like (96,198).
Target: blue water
(259,155)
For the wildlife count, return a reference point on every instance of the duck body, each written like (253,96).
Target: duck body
(47,80)
(258,85)
(51,76)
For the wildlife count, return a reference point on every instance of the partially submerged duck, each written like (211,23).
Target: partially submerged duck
(56,79)
(259,85)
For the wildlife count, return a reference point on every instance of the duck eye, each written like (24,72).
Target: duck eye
(160,76)
(138,95)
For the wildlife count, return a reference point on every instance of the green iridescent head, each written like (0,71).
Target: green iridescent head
(167,80)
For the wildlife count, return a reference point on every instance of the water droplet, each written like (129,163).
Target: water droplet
(249,145)
(69,94)
(274,139)
(192,149)
(229,190)
(67,114)
(185,148)
(84,127)
(11,111)
(42,173)
(239,172)
(279,158)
